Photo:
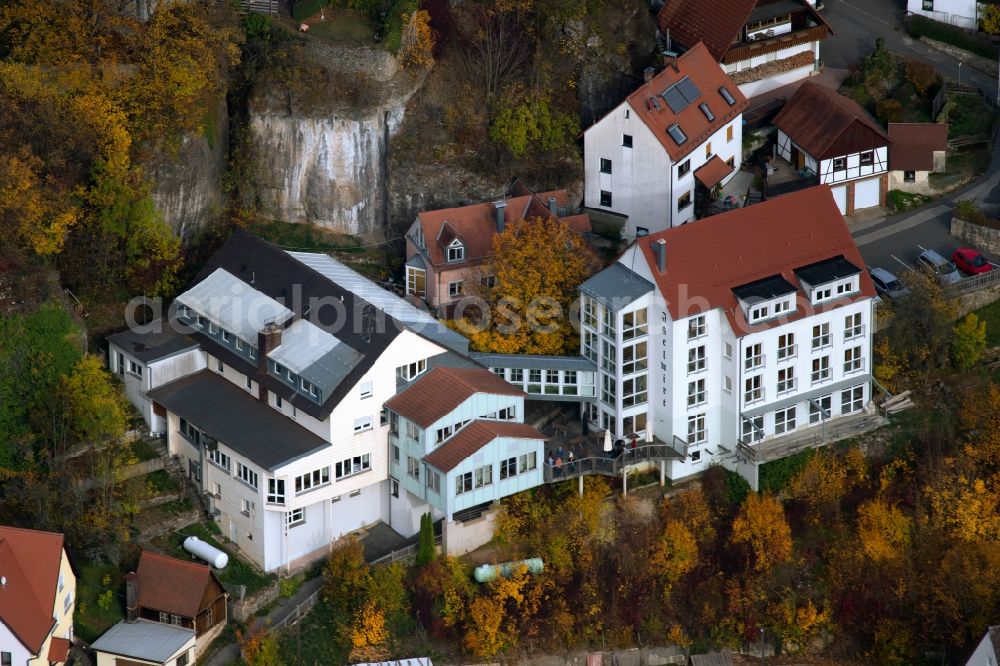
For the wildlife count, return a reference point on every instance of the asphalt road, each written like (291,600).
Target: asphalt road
(896,241)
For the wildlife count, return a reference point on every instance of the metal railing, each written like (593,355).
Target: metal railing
(973,283)
(609,465)
(406,554)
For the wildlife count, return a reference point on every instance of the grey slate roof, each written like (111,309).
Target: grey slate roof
(234,304)
(616,286)
(148,347)
(232,416)
(578,363)
(418,321)
(142,639)
(310,352)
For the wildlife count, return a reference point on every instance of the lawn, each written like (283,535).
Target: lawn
(96,609)
(991,315)
(962,167)
(970,116)
(143,451)
(236,573)
(342,25)
(306,237)
(161,483)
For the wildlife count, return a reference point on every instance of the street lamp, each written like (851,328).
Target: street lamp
(959,72)
(761,646)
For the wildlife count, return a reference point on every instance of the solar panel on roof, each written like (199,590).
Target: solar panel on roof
(726,95)
(688,89)
(677,134)
(674,99)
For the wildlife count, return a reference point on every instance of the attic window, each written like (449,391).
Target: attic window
(677,134)
(707,111)
(726,95)
(456,251)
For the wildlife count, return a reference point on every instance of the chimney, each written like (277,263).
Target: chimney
(553,208)
(648,74)
(131,597)
(268,339)
(660,250)
(500,207)
(670,60)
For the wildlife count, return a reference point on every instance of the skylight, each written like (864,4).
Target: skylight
(726,95)
(677,134)
(681,95)
(707,111)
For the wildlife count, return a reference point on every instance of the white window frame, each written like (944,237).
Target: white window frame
(295,517)
(411,371)
(463,483)
(753,390)
(821,336)
(696,359)
(853,326)
(247,475)
(357,464)
(697,327)
(363,424)
(527,462)
(784,420)
(484,476)
(854,360)
(786,380)
(317,478)
(456,252)
(852,399)
(820,369)
(753,357)
(789,349)
(456,288)
(697,395)
(696,429)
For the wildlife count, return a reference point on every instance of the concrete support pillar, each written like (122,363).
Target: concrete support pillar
(663,473)
(580,484)
(624,482)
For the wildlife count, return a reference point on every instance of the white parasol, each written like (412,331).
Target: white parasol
(649,434)
(607,440)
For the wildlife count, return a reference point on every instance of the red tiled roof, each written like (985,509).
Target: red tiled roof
(913,145)
(171,585)
(58,650)
(710,257)
(715,24)
(475,225)
(712,172)
(827,124)
(443,389)
(706,74)
(30,562)
(473,437)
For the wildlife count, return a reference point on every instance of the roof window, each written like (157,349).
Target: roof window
(677,134)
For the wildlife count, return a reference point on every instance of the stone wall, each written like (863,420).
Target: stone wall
(171,525)
(459,538)
(242,609)
(976,235)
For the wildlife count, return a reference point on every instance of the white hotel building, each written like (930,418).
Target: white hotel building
(724,337)
(274,397)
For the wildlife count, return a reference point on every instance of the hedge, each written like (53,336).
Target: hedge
(303,9)
(921,26)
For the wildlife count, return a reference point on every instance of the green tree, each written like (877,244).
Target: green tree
(989,18)
(426,550)
(969,342)
(533,124)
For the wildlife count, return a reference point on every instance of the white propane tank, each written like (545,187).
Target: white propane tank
(206,551)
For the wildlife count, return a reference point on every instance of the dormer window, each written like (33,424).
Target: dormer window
(456,251)
(418,235)
(828,279)
(413,370)
(767,298)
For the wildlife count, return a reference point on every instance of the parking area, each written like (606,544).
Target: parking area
(901,260)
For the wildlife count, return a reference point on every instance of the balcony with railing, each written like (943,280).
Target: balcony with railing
(758,41)
(815,435)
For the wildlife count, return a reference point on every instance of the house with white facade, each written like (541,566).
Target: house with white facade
(728,337)
(963,13)
(37,598)
(761,44)
(278,415)
(833,141)
(457,445)
(987,653)
(661,153)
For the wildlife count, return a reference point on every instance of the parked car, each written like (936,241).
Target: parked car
(944,269)
(887,284)
(971,261)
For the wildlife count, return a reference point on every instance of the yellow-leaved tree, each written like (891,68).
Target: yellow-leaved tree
(761,526)
(417,44)
(883,530)
(536,266)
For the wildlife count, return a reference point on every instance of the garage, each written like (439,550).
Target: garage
(840,196)
(866,193)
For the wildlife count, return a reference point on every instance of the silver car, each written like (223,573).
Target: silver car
(887,284)
(945,270)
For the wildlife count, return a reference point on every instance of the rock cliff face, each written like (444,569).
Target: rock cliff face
(328,170)
(187,187)
(321,147)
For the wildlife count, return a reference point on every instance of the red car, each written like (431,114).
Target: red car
(971,261)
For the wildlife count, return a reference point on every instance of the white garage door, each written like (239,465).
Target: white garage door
(866,193)
(840,196)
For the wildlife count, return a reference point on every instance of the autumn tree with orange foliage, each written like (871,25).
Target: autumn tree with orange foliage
(418,39)
(537,265)
(762,528)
